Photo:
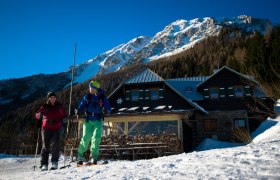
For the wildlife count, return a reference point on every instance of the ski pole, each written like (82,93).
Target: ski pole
(71,89)
(64,160)
(36,151)
(65,141)
(111,135)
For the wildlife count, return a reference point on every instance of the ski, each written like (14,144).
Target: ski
(52,169)
(87,164)
(91,164)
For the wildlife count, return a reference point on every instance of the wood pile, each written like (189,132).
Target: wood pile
(170,140)
(71,142)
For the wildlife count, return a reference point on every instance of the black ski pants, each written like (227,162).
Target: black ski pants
(50,143)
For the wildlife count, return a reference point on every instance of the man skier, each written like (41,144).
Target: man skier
(93,104)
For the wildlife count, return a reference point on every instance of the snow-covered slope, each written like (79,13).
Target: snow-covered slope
(258,160)
(111,60)
(180,35)
(174,38)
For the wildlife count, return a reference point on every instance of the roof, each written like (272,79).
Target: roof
(187,86)
(176,86)
(233,71)
(258,92)
(145,77)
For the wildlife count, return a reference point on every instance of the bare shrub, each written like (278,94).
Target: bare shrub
(242,135)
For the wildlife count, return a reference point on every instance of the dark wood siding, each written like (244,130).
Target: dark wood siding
(176,100)
(170,98)
(224,104)
(224,78)
(224,124)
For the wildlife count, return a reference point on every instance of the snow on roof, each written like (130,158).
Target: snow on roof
(132,109)
(187,86)
(195,105)
(122,109)
(160,107)
(144,77)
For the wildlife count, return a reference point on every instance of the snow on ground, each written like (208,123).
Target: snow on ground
(258,160)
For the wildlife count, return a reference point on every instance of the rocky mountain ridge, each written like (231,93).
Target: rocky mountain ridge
(174,38)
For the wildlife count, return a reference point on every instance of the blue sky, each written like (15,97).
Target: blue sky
(38,36)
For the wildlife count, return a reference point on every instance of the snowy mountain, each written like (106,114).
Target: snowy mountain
(174,38)
(214,160)
(111,60)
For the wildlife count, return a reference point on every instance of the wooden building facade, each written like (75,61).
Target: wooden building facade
(192,108)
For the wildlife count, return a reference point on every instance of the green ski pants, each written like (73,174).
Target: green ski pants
(92,131)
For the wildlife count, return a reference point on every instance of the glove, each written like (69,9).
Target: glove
(61,131)
(109,112)
(64,121)
(76,112)
(40,115)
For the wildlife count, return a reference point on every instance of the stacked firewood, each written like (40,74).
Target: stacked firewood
(71,143)
(170,140)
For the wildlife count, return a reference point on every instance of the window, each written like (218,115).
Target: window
(152,127)
(238,91)
(134,95)
(214,93)
(239,123)
(115,128)
(154,94)
(210,124)
(222,93)
(206,93)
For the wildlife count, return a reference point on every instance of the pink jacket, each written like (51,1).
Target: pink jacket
(52,116)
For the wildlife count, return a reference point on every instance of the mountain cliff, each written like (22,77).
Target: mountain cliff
(174,38)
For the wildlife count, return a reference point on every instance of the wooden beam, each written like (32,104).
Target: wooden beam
(151,117)
(143,118)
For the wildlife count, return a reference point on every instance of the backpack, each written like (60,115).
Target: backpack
(101,103)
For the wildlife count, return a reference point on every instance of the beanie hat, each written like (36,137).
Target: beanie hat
(50,94)
(94,85)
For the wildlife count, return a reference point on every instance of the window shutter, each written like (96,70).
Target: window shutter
(141,94)
(206,93)
(230,92)
(160,92)
(222,92)
(127,95)
(247,91)
(147,94)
